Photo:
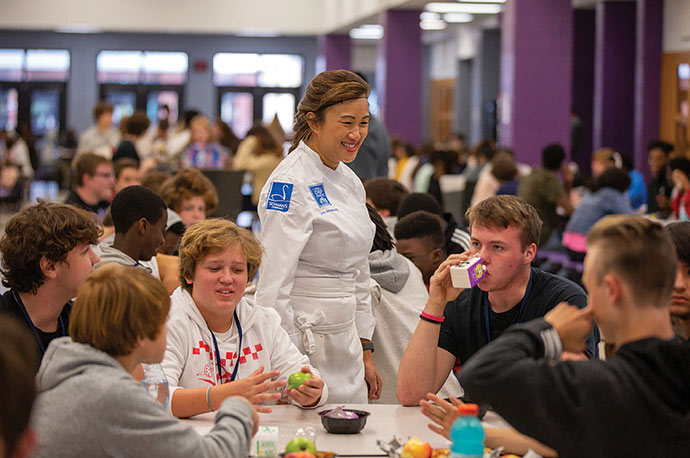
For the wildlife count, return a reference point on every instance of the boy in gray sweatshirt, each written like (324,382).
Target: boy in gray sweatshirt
(89,404)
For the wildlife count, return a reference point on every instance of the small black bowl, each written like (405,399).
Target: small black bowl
(344,425)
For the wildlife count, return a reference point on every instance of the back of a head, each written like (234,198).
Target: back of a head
(552,156)
(42,230)
(502,211)
(385,194)
(325,90)
(504,167)
(137,123)
(382,238)
(18,367)
(614,178)
(421,225)
(638,250)
(154,179)
(116,306)
(133,203)
(419,201)
(87,164)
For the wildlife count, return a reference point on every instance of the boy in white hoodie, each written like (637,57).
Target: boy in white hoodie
(219,343)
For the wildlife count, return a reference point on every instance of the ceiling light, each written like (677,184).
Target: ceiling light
(367,32)
(427,16)
(458,17)
(257,33)
(432,24)
(481,1)
(471,8)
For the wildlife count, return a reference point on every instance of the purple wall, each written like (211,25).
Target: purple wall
(583,82)
(335,49)
(399,74)
(614,75)
(536,76)
(647,78)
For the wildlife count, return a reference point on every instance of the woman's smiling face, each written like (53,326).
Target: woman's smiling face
(344,127)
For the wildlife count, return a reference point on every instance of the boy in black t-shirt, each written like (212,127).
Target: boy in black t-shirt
(456,323)
(46,254)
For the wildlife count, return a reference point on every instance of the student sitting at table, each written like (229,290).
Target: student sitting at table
(219,343)
(140,217)
(18,366)
(680,301)
(46,254)
(635,404)
(456,323)
(419,237)
(89,404)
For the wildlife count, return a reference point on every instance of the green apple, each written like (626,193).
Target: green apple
(297,379)
(300,444)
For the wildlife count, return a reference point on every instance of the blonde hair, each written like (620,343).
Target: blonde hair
(116,306)
(204,122)
(325,90)
(640,251)
(505,210)
(213,235)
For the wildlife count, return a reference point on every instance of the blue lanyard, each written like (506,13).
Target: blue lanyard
(239,349)
(33,327)
(522,307)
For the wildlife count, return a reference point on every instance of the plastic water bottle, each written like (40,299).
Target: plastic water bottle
(467,433)
(156,383)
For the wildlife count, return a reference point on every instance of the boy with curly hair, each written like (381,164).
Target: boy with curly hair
(46,254)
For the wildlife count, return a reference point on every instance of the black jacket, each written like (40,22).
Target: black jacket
(637,404)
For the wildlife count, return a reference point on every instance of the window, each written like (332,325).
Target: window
(144,80)
(257,87)
(257,70)
(34,65)
(142,67)
(33,85)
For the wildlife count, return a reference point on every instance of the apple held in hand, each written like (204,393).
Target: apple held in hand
(297,379)
(298,445)
(415,448)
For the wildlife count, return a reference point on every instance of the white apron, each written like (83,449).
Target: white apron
(330,340)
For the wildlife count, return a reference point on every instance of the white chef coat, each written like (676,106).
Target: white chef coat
(317,236)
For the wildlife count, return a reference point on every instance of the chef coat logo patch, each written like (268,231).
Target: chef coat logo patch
(320,195)
(279,196)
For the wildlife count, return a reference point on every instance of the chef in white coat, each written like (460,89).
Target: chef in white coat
(317,235)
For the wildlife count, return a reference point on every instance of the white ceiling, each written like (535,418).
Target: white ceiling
(248,17)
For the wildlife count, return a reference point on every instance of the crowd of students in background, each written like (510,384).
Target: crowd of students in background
(139,199)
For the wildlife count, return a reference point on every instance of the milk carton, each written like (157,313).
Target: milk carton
(468,273)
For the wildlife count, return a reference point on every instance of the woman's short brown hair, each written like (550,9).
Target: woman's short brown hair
(44,229)
(116,306)
(186,184)
(503,211)
(213,235)
(325,90)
